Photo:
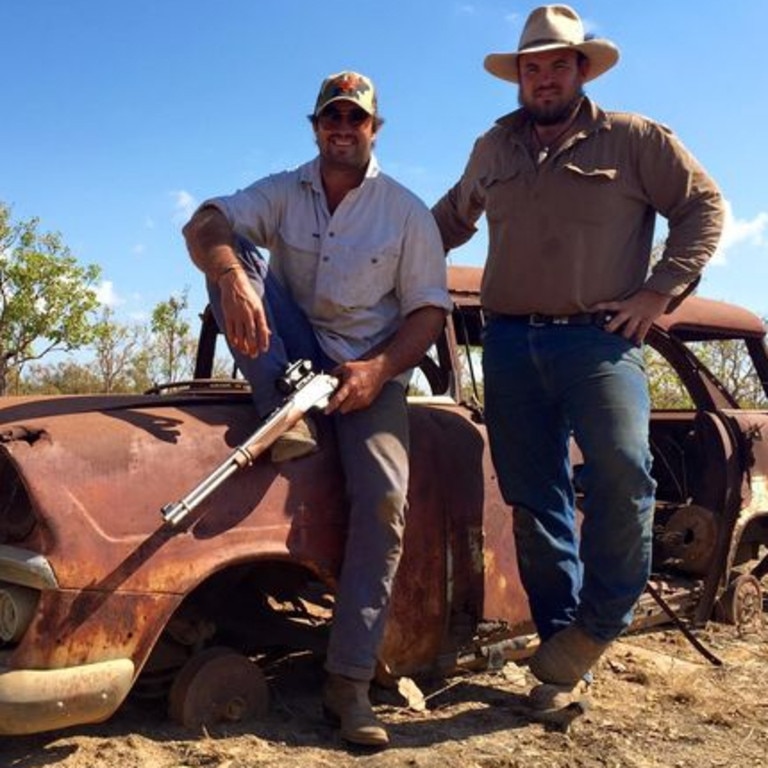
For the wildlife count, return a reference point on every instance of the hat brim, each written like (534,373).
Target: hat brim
(343,97)
(602,55)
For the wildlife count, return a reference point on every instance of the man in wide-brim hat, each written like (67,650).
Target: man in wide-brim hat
(570,193)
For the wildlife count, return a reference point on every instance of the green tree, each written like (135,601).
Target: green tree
(66,377)
(666,388)
(46,297)
(727,359)
(174,343)
(731,363)
(116,347)
(143,364)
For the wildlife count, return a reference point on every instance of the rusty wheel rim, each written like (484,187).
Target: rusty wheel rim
(217,685)
(742,603)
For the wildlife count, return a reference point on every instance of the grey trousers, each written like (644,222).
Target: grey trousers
(373,447)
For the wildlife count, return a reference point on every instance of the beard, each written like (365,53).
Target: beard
(551,114)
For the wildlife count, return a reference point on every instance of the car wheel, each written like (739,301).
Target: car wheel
(742,603)
(689,539)
(217,685)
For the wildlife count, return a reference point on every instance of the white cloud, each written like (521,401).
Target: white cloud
(466,8)
(139,249)
(184,206)
(106,294)
(738,232)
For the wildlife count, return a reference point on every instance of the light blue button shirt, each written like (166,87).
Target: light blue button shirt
(356,273)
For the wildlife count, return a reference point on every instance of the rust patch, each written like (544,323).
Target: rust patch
(73,629)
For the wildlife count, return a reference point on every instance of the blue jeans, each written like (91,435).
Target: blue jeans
(542,386)
(373,448)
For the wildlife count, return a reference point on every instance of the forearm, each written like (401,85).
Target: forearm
(411,342)
(362,380)
(210,242)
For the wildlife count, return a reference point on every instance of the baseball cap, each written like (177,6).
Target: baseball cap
(349,86)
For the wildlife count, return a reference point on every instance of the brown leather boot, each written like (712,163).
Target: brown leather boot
(300,440)
(567,656)
(346,701)
(548,697)
(558,705)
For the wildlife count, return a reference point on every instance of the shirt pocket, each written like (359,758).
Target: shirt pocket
(359,277)
(597,175)
(503,192)
(591,194)
(295,262)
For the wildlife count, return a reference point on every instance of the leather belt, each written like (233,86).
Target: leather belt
(538,320)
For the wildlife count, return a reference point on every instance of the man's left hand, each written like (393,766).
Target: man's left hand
(361,383)
(634,316)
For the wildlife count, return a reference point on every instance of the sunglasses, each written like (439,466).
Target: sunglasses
(332,118)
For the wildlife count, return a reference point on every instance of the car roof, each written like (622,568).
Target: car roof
(695,319)
(698,318)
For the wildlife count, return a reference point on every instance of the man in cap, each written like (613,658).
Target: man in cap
(356,282)
(570,194)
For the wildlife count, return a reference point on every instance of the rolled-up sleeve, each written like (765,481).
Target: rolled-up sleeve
(422,279)
(254,212)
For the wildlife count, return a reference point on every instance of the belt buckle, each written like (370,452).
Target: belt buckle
(537,320)
(603,317)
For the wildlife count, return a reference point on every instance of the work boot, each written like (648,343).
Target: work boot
(547,697)
(300,440)
(558,706)
(346,701)
(567,656)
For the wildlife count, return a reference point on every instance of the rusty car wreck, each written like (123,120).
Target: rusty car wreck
(100,598)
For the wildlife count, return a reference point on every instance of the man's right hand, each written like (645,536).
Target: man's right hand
(209,240)
(245,321)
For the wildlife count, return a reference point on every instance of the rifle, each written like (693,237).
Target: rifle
(303,389)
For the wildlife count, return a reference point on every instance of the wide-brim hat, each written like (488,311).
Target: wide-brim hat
(548,28)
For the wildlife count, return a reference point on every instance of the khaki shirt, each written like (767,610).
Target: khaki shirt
(577,229)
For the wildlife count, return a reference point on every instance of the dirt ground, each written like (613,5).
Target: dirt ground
(656,701)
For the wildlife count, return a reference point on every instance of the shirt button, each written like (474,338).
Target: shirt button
(326,258)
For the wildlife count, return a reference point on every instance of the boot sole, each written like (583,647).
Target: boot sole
(361,741)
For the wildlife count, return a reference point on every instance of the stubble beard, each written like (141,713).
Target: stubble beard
(356,160)
(553,114)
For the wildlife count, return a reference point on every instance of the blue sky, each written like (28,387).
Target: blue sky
(120,115)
